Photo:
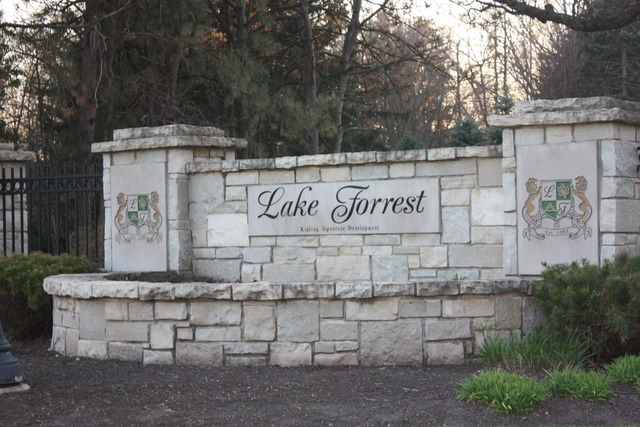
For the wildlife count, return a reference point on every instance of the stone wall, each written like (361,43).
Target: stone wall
(284,324)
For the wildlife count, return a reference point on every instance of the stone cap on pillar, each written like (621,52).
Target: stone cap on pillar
(569,111)
(171,136)
(8,153)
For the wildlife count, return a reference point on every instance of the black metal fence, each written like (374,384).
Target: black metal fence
(53,208)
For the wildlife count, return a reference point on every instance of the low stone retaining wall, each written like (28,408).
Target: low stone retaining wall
(261,323)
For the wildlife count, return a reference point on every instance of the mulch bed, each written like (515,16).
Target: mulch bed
(72,391)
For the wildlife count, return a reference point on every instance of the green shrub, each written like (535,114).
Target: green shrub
(504,391)
(537,350)
(24,306)
(599,302)
(592,386)
(625,369)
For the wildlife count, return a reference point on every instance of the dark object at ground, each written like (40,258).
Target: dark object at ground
(72,391)
(161,276)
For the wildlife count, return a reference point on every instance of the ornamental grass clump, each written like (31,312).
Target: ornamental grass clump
(504,391)
(625,369)
(540,349)
(593,386)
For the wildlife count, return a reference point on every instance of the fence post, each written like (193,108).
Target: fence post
(13,203)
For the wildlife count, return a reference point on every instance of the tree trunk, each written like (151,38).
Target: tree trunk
(309,79)
(87,102)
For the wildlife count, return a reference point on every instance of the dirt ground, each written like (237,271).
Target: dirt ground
(81,392)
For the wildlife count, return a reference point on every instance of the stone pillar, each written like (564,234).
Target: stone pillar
(570,181)
(13,223)
(146,193)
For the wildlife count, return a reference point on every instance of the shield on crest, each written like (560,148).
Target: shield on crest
(556,200)
(138,209)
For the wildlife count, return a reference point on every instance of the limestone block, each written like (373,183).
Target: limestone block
(289,273)
(227,230)
(487,205)
(487,235)
(509,192)
(532,314)
(393,289)
(308,174)
(58,339)
(92,349)
(70,320)
(475,256)
(558,134)
(434,288)
(619,216)
(433,256)
(508,312)
(256,255)
(444,353)
(331,309)
(242,178)
(623,188)
(402,170)
(377,309)
(464,181)
(140,311)
(368,251)
(227,253)
(218,333)
(391,343)
(259,322)
(184,334)
(127,331)
(335,174)
(123,158)
(490,172)
(246,348)
(618,158)
(508,146)
(455,197)
(71,342)
(338,330)
(468,307)
(125,351)
(307,290)
(178,190)
(455,225)
(199,353)
(216,313)
(298,321)
(156,291)
(420,308)
(246,361)
(361,157)
(277,177)
(344,268)
(510,251)
(475,287)
(336,359)
(251,273)
(235,193)
(293,255)
(341,240)
(117,310)
(347,346)
(162,336)
(257,291)
(353,290)
(369,172)
(382,240)
(114,289)
(529,136)
(203,290)
(290,354)
(171,310)
(417,240)
(324,347)
(511,286)
(446,329)
(298,241)
(227,270)
(91,319)
(157,357)
(389,269)
(449,167)
(446,153)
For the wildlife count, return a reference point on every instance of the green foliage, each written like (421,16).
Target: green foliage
(466,132)
(504,391)
(592,386)
(625,369)
(25,307)
(600,302)
(539,349)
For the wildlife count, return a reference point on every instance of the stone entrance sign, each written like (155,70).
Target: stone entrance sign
(356,207)
(557,191)
(139,225)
